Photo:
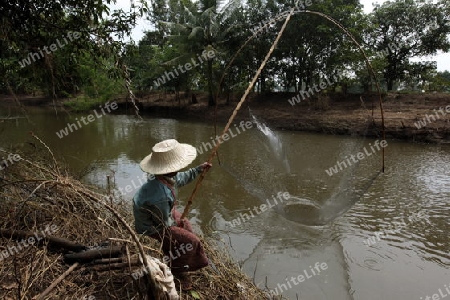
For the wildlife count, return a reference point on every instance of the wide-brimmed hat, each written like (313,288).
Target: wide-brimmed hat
(168,156)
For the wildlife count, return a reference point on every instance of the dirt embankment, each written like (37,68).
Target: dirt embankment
(411,117)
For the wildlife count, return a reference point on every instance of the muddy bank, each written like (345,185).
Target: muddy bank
(423,118)
(411,117)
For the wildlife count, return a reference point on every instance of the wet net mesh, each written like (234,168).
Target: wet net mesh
(324,177)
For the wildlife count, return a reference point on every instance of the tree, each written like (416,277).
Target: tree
(440,82)
(197,28)
(405,29)
(46,39)
(314,49)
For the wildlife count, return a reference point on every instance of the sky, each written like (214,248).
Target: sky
(443,59)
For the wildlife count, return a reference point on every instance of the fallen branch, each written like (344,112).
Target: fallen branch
(90,255)
(56,282)
(53,242)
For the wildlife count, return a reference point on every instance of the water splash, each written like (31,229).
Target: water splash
(274,145)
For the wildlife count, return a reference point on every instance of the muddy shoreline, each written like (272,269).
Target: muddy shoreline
(338,114)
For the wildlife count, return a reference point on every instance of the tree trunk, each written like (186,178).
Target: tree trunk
(211,101)
(344,87)
(194,99)
(90,255)
(263,83)
(390,84)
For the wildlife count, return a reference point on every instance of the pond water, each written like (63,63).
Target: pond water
(356,234)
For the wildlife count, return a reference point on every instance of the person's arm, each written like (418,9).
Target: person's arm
(183,178)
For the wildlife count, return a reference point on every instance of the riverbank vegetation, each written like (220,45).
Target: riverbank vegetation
(42,56)
(65,262)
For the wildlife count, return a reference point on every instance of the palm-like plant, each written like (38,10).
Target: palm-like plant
(194,28)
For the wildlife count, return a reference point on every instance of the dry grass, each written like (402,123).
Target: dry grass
(35,193)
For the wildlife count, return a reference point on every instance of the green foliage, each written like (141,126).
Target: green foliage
(97,85)
(440,82)
(189,31)
(90,69)
(404,29)
(30,28)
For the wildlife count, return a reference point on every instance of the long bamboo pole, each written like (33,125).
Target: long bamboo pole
(243,98)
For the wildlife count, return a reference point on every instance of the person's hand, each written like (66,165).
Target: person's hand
(181,223)
(205,166)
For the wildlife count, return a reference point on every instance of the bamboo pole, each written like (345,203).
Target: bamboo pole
(243,98)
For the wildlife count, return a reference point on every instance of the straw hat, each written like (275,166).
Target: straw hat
(168,156)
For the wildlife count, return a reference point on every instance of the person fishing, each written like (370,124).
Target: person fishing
(154,209)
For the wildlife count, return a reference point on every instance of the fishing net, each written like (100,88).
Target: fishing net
(323,177)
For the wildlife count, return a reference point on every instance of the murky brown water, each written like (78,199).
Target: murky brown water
(391,244)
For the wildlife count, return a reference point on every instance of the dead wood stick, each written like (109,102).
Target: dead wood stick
(103,261)
(115,260)
(154,291)
(40,238)
(56,282)
(90,255)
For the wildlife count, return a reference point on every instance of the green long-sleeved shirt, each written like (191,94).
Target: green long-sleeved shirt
(153,202)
